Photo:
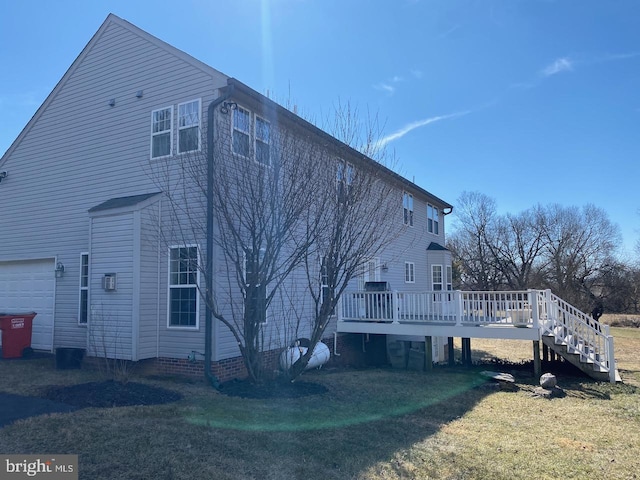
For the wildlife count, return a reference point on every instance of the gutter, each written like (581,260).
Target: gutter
(208,323)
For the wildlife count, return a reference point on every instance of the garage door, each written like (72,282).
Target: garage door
(28,286)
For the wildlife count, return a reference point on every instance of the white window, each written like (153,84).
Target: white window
(263,141)
(253,286)
(161,133)
(433,222)
(83,311)
(409,272)
(189,126)
(324,280)
(436,278)
(407,207)
(344,180)
(449,278)
(241,141)
(184,278)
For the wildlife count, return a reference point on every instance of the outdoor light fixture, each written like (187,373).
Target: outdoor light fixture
(59,270)
(3,175)
(139,94)
(226,106)
(112,102)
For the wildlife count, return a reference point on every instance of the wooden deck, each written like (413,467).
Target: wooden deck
(530,315)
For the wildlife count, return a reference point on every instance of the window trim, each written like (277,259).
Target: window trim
(249,132)
(433,282)
(433,221)
(154,134)
(244,274)
(199,125)
(345,173)
(324,278)
(196,286)
(409,272)
(83,288)
(407,209)
(253,123)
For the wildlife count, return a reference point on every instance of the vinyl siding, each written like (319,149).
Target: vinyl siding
(149,282)
(111,312)
(79,152)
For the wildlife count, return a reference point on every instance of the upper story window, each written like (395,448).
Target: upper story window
(449,277)
(344,180)
(263,141)
(161,138)
(433,220)
(241,142)
(251,136)
(183,287)
(407,207)
(189,126)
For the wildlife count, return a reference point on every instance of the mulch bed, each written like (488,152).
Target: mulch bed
(271,389)
(110,394)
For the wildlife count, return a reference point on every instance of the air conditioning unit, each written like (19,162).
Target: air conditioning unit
(109,282)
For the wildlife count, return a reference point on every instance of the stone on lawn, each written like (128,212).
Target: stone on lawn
(548,381)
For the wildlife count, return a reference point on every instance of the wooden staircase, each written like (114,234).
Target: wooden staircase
(576,337)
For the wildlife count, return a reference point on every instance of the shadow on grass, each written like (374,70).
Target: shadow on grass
(358,423)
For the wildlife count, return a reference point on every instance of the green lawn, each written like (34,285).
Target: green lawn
(371,424)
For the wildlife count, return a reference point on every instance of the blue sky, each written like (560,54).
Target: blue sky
(527,101)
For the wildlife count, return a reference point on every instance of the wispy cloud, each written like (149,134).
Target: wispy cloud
(611,57)
(385,87)
(388,86)
(560,65)
(413,125)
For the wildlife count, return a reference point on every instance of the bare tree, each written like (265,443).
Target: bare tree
(473,242)
(289,202)
(516,247)
(568,249)
(356,211)
(579,243)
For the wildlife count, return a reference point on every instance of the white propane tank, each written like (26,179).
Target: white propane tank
(291,355)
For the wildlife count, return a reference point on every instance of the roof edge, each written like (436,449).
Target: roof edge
(280,110)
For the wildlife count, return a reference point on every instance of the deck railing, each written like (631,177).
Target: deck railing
(539,309)
(451,307)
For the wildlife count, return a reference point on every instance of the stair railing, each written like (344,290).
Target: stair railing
(579,332)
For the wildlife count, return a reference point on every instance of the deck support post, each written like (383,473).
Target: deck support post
(450,352)
(428,353)
(466,352)
(537,368)
(545,353)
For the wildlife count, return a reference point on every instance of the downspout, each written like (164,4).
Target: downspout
(208,323)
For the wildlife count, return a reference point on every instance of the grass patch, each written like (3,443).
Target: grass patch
(369,424)
(621,320)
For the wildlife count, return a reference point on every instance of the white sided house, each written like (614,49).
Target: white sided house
(90,242)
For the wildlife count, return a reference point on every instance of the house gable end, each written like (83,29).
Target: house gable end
(110,21)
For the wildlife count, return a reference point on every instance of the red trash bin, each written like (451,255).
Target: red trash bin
(16,333)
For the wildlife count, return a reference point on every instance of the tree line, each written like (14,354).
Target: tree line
(574,251)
